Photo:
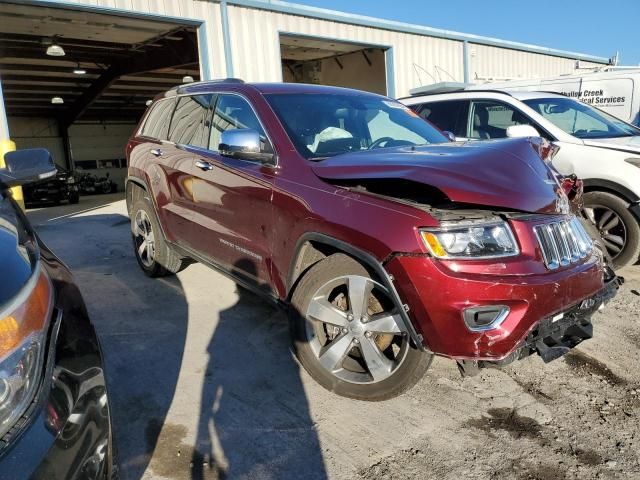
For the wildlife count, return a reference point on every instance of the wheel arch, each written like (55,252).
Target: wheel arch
(598,184)
(130,184)
(313,247)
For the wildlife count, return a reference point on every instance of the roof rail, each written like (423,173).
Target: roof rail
(205,82)
(440,87)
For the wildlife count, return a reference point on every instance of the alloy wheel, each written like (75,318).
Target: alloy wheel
(611,227)
(355,331)
(144,238)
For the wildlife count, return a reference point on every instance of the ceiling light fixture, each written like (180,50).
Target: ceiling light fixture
(79,70)
(187,79)
(57,100)
(55,50)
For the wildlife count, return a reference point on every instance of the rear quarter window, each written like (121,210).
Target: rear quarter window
(447,115)
(187,122)
(157,123)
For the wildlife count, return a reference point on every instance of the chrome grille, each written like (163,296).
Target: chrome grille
(563,242)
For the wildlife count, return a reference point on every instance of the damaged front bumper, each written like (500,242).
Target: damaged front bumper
(539,306)
(555,336)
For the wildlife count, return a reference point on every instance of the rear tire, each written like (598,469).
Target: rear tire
(153,253)
(619,229)
(373,359)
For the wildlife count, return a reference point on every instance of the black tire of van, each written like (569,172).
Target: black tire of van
(600,202)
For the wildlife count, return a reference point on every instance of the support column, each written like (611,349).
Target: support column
(6,145)
(226,38)
(465,60)
(63,131)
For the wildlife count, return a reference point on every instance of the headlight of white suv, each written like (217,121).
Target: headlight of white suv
(23,330)
(471,240)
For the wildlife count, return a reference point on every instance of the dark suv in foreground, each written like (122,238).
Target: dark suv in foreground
(54,409)
(388,243)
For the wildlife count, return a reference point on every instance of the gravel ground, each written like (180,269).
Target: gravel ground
(202,385)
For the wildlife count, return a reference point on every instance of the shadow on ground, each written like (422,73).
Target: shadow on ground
(249,409)
(254,414)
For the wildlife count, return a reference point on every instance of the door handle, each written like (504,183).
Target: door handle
(157,152)
(204,165)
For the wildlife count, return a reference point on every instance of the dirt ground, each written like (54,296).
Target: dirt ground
(573,418)
(202,385)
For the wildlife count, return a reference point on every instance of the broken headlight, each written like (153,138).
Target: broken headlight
(23,327)
(461,240)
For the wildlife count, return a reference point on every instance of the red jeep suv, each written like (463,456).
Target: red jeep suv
(388,243)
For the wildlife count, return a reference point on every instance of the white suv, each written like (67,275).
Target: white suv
(599,148)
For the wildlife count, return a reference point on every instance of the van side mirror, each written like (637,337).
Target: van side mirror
(27,166)
(522,131)
(243,143)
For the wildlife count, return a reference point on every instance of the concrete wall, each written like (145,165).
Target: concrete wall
(89,141)
(37,133)
(101,142)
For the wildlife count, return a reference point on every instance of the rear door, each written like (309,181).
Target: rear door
(163,167)
(232,198)
(187,138)
(449,115)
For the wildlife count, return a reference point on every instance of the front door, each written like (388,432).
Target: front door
(232,198)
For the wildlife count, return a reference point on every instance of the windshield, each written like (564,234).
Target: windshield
(581,120)
(324,125)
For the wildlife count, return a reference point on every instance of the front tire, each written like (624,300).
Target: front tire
(154,255)
(618,228)
(349,336)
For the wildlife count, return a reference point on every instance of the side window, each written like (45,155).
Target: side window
(233,112)
(187,123)
(491,119)
(449,115)
(157,123)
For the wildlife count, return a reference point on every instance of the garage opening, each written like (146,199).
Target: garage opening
(337,63)
(76,81)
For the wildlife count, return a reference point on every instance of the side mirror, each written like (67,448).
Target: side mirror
(27,166)
(449,135)
(520,131)
(243,143)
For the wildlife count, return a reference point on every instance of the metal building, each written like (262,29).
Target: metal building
(129,50)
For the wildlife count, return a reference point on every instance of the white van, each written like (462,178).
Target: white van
(616,90)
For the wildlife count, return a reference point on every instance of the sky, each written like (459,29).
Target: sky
(594,27)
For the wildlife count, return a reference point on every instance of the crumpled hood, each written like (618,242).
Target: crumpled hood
(499,173)
(624,144)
